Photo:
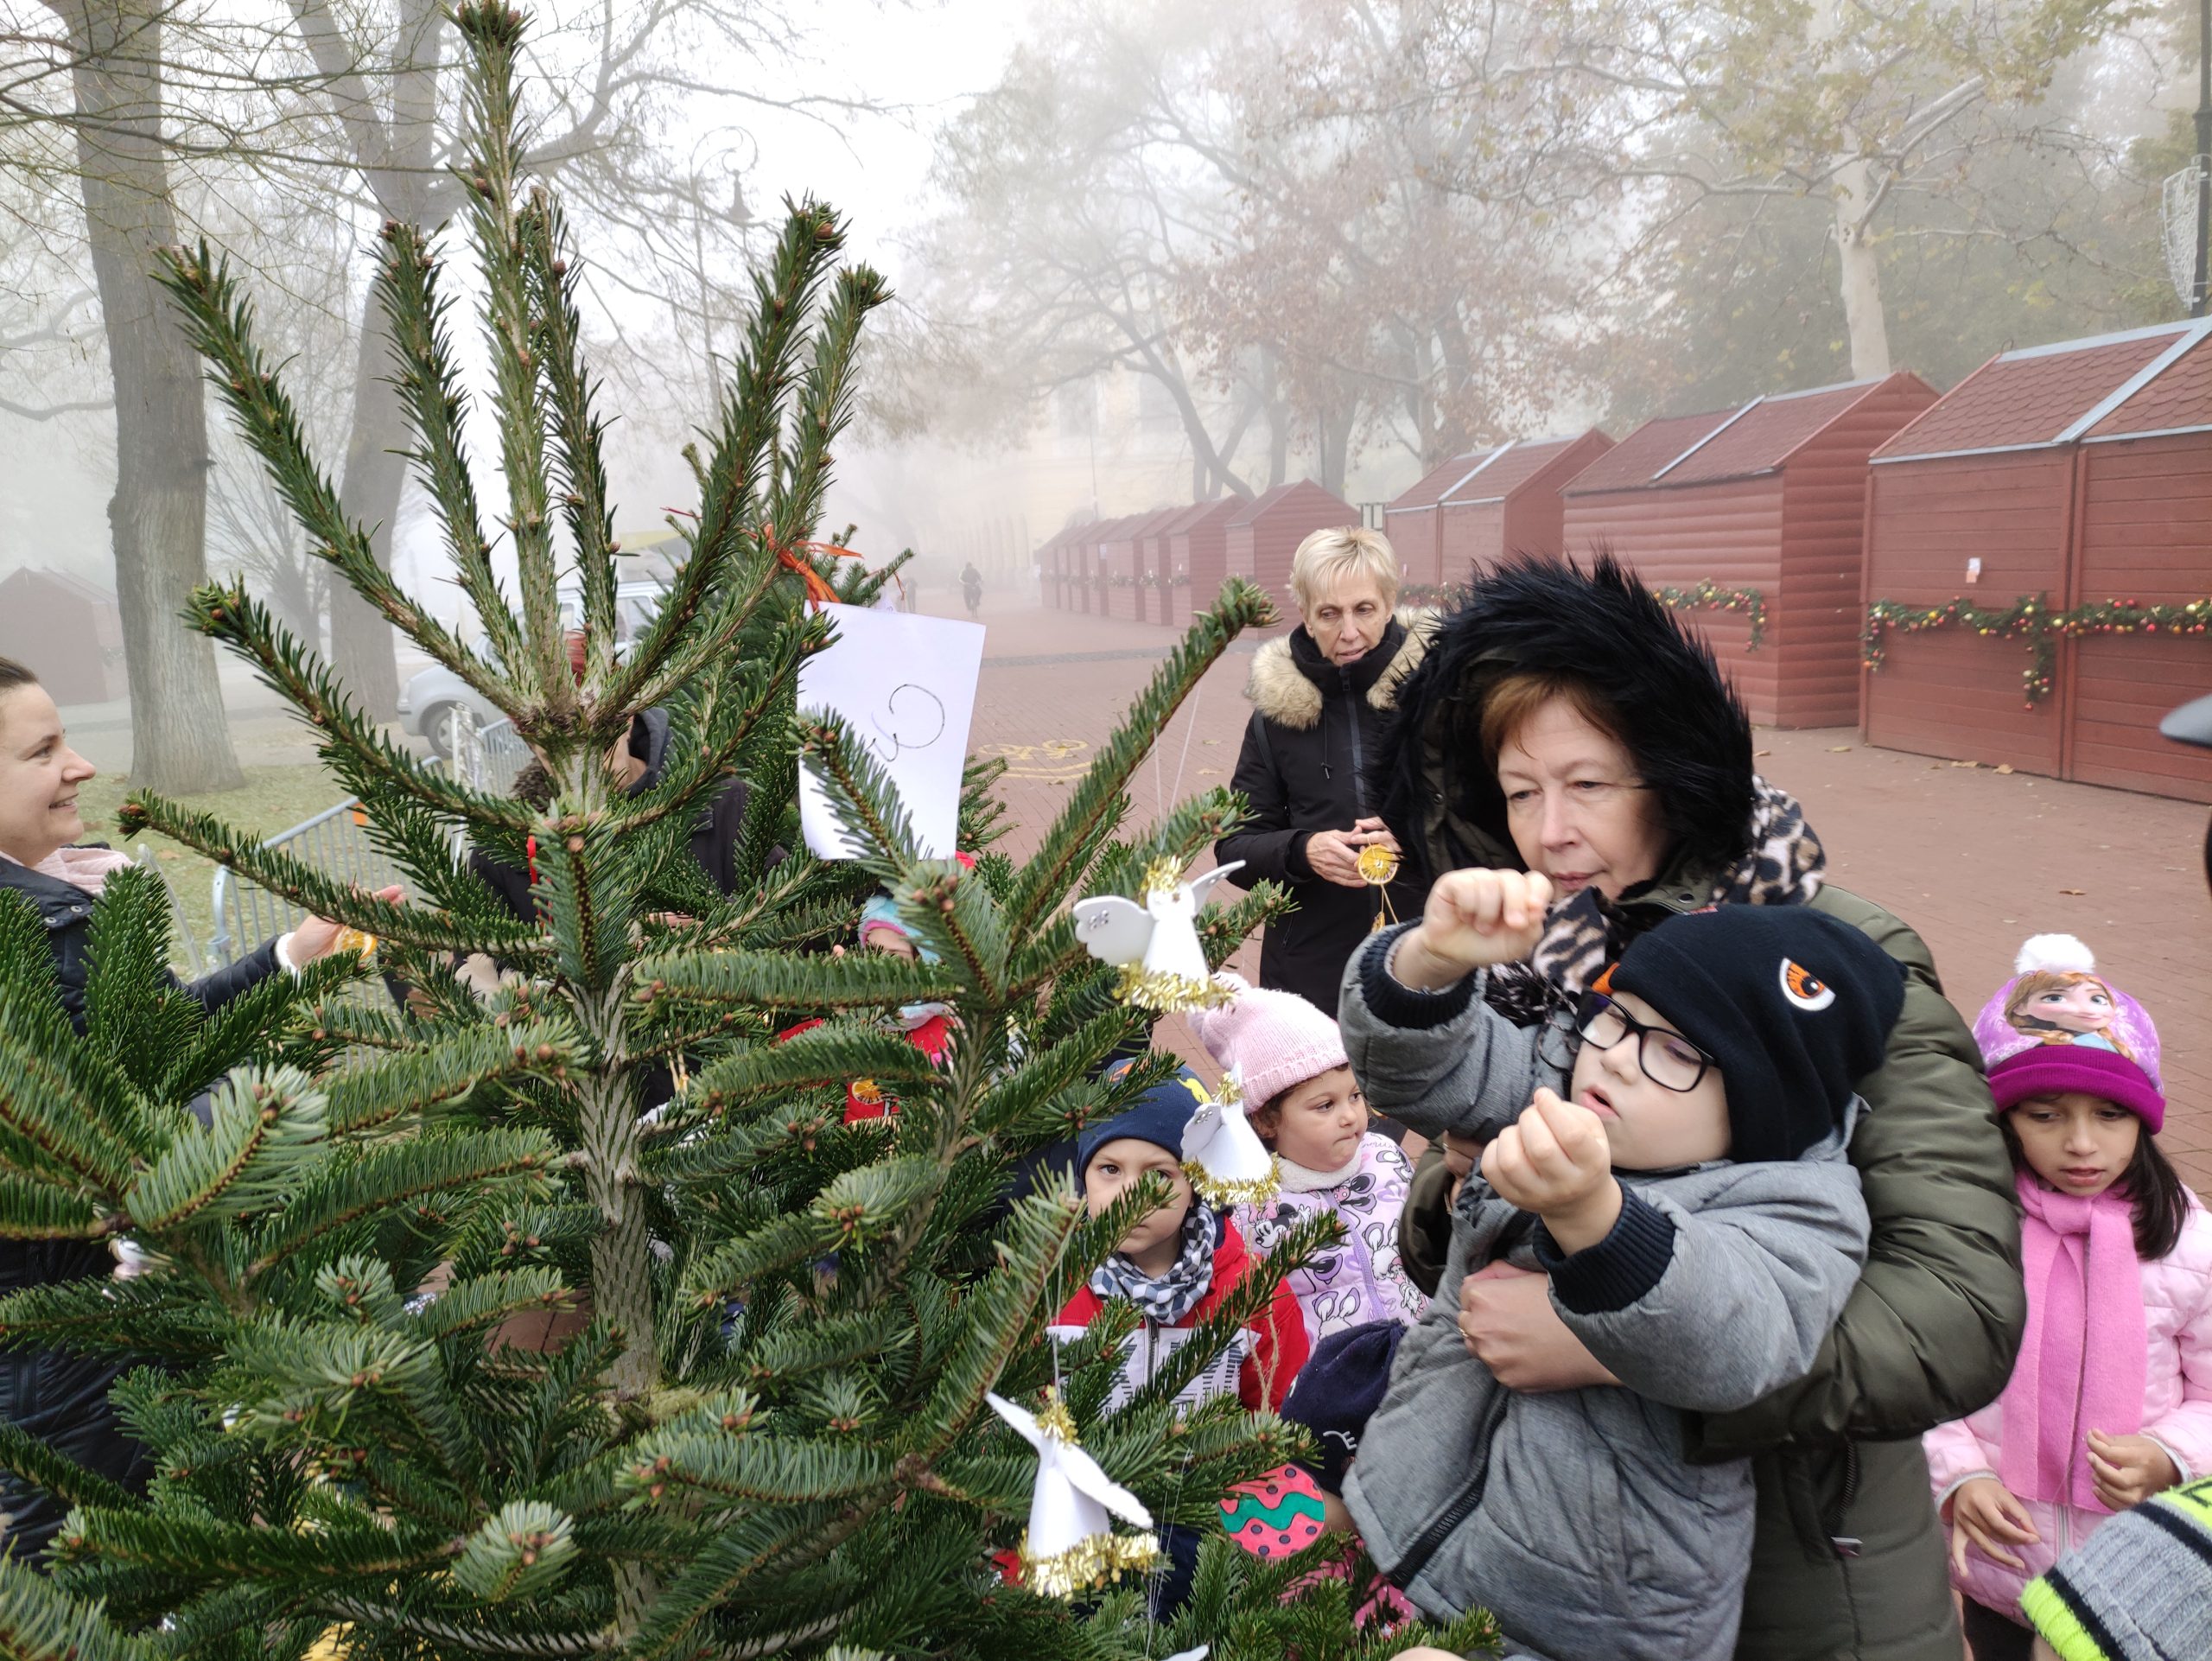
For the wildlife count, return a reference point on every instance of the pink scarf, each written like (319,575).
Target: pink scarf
(80,867)
(2084,1358)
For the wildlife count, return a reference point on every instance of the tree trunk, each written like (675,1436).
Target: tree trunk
(1859,276)
(395,149)
(361,646)
(181,743)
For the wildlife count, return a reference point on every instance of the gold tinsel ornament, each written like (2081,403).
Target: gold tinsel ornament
(1156,944)
(1070,1546)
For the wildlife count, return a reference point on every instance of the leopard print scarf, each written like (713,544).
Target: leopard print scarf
(1784,868)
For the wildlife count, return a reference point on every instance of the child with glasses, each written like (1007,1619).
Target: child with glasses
(1680,1177)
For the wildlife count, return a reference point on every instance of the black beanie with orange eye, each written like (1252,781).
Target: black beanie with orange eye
(1794,1007)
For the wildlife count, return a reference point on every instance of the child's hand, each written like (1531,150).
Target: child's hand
(2128,1470)
(1471,920)
(1557,1162)
(1985,1512)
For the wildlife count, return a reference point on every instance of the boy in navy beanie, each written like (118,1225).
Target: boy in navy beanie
(1685,1187)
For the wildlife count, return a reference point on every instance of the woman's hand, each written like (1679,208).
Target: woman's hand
(1506,1322)
(1985,1512)
(1472,919)
(2128,1470)
(317,937)
(1334,855)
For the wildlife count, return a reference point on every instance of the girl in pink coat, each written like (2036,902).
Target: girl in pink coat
(2111,1399)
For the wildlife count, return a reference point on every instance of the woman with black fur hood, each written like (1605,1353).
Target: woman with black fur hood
(1563,722)
(1321,696)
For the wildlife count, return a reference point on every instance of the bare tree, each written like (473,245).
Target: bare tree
(159,512)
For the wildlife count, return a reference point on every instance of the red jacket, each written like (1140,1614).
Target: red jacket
(1257,1366)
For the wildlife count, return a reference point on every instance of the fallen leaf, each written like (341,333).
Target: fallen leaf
(2073,891)
(1966,764)
(2007,767)
(1209,741)
(1839,749)
(169,853)
(1208,773)
(1755,753)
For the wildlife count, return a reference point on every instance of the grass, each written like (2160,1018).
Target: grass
(273,798)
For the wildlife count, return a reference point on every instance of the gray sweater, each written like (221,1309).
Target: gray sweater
(1573,1516)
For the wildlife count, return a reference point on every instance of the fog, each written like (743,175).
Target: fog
(1143,253)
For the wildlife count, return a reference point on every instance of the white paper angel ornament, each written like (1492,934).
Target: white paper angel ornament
(1223,1156)
(1071,1545)
(1163,968)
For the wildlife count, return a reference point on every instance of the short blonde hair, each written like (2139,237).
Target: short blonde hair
(1325,558)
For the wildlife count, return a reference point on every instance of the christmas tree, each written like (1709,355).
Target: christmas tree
(762,1428)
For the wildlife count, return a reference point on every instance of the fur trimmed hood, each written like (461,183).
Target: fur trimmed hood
(1684,723)
(1284,693)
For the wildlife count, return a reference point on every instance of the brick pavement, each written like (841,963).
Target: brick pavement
(1972,859)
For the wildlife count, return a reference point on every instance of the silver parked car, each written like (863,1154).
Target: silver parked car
(447,711)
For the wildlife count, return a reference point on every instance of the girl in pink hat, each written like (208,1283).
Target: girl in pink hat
(2111,1399)
(1301,1098)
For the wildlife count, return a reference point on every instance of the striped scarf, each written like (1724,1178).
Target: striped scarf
(1168,1297)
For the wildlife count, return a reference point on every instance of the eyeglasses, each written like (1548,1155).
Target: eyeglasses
(1667,1058)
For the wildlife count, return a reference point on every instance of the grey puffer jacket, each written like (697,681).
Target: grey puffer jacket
(1573,1517)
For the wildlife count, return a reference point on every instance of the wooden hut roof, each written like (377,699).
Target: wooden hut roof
(1753,439)
(2041,396)
(1505,469)
(2174,397)
(1431,486)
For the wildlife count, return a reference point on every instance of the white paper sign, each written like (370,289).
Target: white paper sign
(906,687)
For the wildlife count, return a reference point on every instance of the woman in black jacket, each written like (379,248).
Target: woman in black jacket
(1321,697)
(56,1396)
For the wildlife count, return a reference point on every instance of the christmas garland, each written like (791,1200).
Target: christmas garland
(2031,617)
(1709,596)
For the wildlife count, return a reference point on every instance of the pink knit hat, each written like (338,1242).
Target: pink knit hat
(2058,1025)
(1274,1039)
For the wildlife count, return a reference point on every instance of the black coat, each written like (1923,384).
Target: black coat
(1314,732)
(56,1396)
(714,839)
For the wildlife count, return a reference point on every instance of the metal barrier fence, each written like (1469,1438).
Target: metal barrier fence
(491,755)
(336,842)
(184,944)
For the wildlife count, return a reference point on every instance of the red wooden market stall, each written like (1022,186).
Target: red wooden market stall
(1196,544)
(1052,557)
(2038,575)
(1143,539)
(1262,537)
(1750,519)
(1090,562)
(1411,520)
(1511,504)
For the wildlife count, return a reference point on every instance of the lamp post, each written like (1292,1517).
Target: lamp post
(2201,293)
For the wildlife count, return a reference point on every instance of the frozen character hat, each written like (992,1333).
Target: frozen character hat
(1793,1006)
(1339,1388)
(2058,1025)
(1272,1041)
(881,911)
(1157,1116)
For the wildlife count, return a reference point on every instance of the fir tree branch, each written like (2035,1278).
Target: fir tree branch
(771,980)
(783,293)
(220,320)
(358,751)
(40,1621)
(493,172)
(320,895)
(436,404)
(825,405)
(456,1634)
(1057,864)
(38,1462)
